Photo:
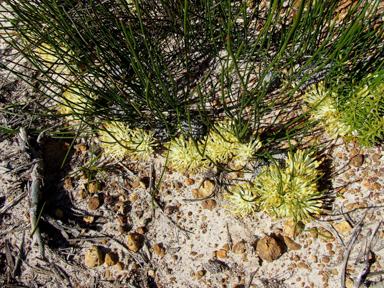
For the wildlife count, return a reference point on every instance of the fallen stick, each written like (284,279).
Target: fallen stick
(34,193)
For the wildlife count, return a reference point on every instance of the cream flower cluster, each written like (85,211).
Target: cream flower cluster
(220,146)
(74,101)
(50,58)
(291,192)
(119,141)
(324,109)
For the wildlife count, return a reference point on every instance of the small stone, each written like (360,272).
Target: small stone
(239,247)
(80,147)
(134,241)
(175,257)
(325,259)
(328,236)
(93,257)
(68,184)
(140,230)
(268,249)
(290,228)
(138,183)
(376,157)
(226,247)
(82,194)
(209,204)
(133,198)
(58,213)
(339,155)
(313,232)
(200,274)
(352,206)
(94,203)
(292,245)
(189,182)
(122,228)
(151,273)
(120,266)
(354,151)
(342,227)
(366,184)
(349,283)
(110,259)
(93,187)
(357,160)
(89,219)
(205,190)
(293,143)
(159,250)
(376,186)
(222,254)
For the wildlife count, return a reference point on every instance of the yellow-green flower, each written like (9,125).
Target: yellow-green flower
(221,142)
(303,165)
(243,198)
(290,192)
(325,110)
(243,153)
(50,58)
(142,143)
(116,139)
(75,101)
(184,156)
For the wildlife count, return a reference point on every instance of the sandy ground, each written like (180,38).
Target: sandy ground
(210,246)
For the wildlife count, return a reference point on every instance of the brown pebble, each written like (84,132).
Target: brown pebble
(93,187)
(376,186)
(120,266)
(239,247)
(357,161)
(174,257)
(159,250)
(222,254)
(110,259)
(193,253)
(209,204)
(94,203)
(133,198)
(226,247)
(268,248)
(93,257)
(329,246)
(292,245)
(189,182)
(296,258)
(376,157)
(200,274)
(354,151)
(134,241)
(138,183)
(140,230)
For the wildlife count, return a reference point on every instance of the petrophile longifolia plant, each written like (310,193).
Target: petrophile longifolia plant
(284,192)
(142,73)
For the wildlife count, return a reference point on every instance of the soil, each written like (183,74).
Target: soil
(91,209)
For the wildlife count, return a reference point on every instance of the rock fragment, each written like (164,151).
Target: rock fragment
(93,257)
(94,203)
(357,161)
(110,259)
(342,227)
(159,250)
(209,204)
(134,242)
(292,245)
(239,247)
(268,249)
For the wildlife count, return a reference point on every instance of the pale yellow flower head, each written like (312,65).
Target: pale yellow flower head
(184,156)
(325,110)
(243,198)
(113,140)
